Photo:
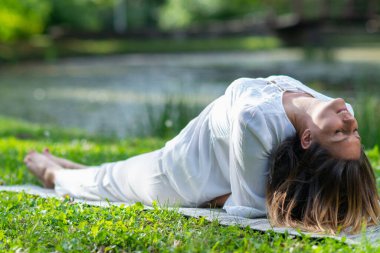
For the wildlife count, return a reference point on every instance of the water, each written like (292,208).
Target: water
(110,95)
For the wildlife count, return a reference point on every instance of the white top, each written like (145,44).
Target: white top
(226,148)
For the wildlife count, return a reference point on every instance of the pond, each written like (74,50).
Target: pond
(113,94)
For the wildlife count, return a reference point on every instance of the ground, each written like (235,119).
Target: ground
(30,223)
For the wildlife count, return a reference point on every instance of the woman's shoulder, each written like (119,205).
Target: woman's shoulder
(267,122)
(240,85)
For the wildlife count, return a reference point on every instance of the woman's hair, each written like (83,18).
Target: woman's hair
(312,190)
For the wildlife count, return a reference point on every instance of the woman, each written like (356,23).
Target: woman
(268,146)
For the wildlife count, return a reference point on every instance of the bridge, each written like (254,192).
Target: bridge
(299,28)
(354,17)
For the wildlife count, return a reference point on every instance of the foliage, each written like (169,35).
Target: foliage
(182,13)
(22,19)
(366,108)
(170,119)
(85,15)
(143,14)
(97,15)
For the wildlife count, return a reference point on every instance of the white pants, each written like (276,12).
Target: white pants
(138,178)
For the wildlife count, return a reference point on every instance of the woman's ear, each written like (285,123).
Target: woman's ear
(306,139)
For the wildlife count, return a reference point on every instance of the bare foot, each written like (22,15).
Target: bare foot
(67,164)
(42,167)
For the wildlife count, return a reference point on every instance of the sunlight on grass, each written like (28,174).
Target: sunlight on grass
(30,223)
(166,45)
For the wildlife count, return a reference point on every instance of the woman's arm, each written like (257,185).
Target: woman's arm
(249,144)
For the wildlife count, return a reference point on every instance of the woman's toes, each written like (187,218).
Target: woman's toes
(47,154)
(29,155)
(31,152)
(27,158)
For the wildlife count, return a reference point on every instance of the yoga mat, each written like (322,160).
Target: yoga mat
(372,234)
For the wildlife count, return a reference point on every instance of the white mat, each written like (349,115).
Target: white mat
(372,234)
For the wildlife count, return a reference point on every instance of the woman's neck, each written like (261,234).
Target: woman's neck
(298,108)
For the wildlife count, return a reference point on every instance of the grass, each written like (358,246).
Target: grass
(169,119)
(367,109)
(43,48)
(33,224)
(45,225)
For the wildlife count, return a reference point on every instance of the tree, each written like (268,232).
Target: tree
(82,15)
(182,13)
(22,19)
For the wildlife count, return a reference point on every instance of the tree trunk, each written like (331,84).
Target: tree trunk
(348,11)
(372,8)
(325,9)
(120,16)
(298,8)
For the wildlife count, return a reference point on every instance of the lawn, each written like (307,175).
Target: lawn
(30,223)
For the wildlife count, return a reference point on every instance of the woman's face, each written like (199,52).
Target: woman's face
(336,129)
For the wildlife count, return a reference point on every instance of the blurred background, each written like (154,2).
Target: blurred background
(136,68)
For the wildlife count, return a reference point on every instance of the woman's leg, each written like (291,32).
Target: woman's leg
(67,164)
(45,165)
(136,179)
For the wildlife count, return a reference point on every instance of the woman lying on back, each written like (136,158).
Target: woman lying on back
(267,147)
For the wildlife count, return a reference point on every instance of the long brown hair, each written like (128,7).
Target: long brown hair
(311,190)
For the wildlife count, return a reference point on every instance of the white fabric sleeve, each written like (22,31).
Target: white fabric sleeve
(250,145)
